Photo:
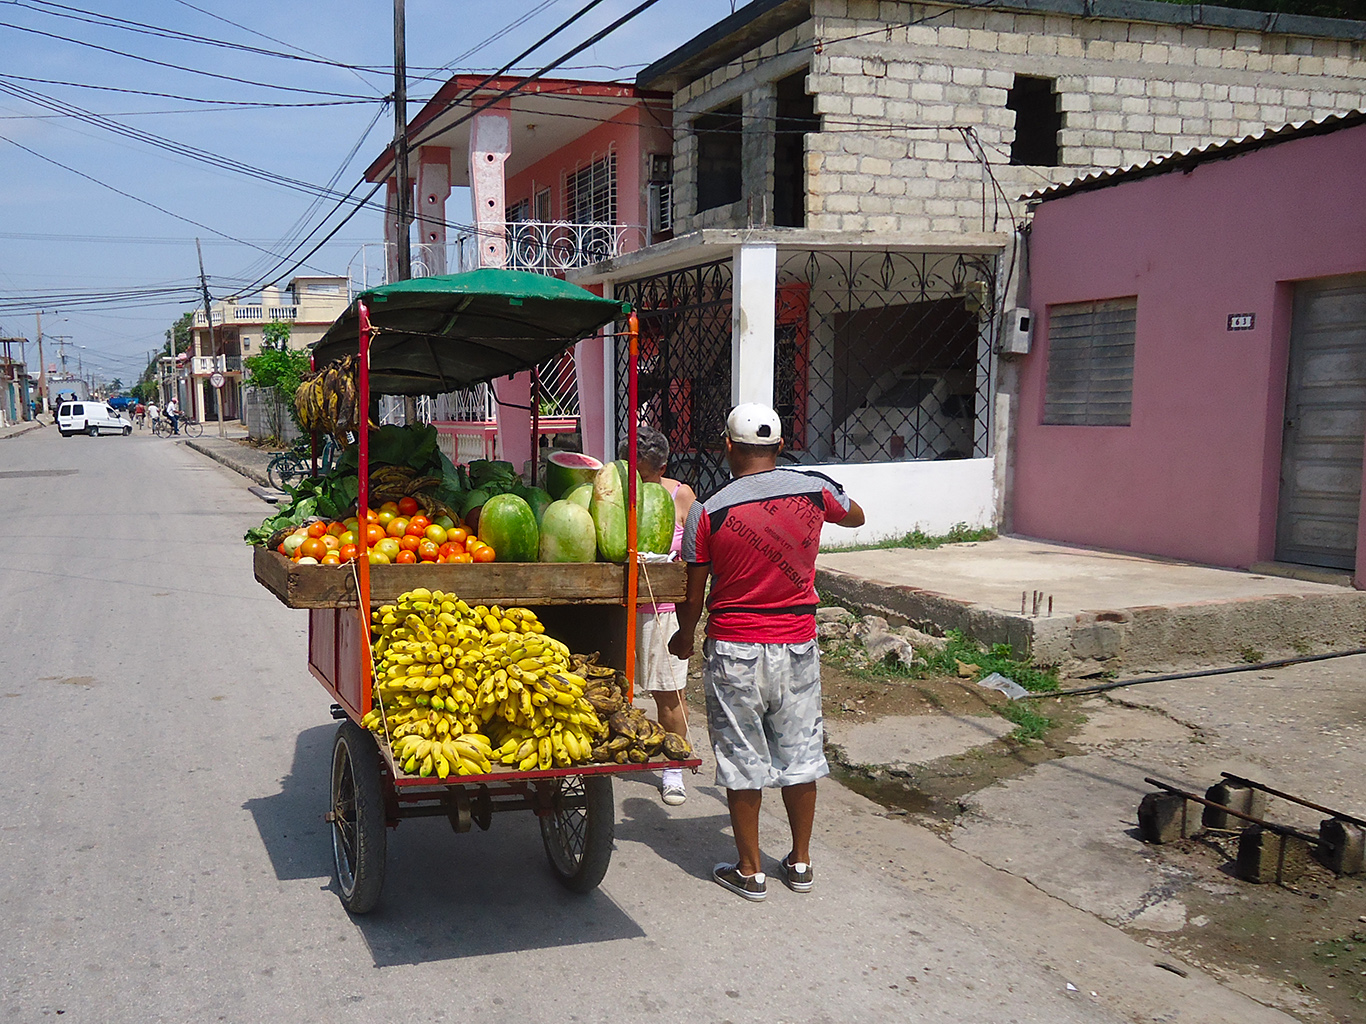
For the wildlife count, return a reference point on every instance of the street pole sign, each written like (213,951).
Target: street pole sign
(217,379)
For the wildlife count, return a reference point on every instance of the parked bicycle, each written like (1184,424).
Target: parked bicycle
(289,467)
(161,427)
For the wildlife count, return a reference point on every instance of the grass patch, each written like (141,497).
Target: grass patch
(961,533)
(1030,725)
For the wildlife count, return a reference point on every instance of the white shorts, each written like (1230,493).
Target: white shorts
(656,668)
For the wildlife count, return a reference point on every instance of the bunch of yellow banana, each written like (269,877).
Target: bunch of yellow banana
(485,677)
(328,400)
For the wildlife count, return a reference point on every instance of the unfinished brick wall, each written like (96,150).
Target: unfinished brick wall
(896,84)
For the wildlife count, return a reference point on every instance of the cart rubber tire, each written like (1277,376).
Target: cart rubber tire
(578,839)
(358,836)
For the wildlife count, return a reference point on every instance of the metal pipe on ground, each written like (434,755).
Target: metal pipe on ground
(1197,674)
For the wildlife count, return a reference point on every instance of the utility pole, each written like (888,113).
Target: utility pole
(213,343)
(42,366)
(405,253)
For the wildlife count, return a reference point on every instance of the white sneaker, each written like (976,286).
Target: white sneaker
(672,787)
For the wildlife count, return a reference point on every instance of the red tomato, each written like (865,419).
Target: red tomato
(427,550)
(407,506)
(466,558)
(408,542)
(397,527)
(485,554)
(331,559)
(406,558)
(336,529)
(317,529)
(281,548)
(371,516)
(374,533)
(458,535)
(448,549)
(312,548)
(421,521)
(348,552)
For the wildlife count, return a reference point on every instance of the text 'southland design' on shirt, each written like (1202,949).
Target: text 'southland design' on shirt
(760,535)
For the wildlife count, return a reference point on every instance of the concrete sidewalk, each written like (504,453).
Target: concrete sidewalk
(240,458)
(1097,609)
(9,430)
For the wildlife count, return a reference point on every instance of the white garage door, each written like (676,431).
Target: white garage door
(1325,425)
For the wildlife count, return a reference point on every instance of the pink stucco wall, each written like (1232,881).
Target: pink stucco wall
(631,133)
(1196,474)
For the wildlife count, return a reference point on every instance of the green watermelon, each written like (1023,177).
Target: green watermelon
(566,470)
(508,525)
(654,513)
(568,534)
(608,508)
(581,495)
(538,499)
(655,516)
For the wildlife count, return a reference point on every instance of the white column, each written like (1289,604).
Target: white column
(490,146)
(609,384)
(753,311)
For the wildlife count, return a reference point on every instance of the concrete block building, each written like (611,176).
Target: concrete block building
(847,178)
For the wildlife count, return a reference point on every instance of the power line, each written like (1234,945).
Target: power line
(185,99)
(136,199)
(178,67)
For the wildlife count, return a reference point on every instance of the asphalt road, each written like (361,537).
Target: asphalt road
(163,855)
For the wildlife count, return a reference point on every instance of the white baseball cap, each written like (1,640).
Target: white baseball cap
(753,423)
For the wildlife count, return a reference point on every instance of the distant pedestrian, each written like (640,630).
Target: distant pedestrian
(139,414)
(173,414)
(757,538)
(153,415)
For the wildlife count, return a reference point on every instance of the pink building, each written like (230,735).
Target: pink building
(1197,384)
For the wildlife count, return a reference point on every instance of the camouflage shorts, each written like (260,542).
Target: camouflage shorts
(764,713)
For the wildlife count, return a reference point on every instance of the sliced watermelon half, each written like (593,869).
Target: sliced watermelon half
(566,470)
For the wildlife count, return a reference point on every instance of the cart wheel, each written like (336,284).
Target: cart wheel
(358,838)
(578,830)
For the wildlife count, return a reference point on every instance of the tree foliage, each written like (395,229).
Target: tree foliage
(279,369)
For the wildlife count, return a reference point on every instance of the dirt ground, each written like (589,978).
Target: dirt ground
(1300,947)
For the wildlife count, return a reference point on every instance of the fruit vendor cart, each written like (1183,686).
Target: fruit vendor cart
(434,335)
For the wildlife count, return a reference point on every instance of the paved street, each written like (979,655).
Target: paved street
(164,857)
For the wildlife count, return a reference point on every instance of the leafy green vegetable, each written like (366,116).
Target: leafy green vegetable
(391,445)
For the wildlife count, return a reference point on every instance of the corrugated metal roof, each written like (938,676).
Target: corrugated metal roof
(1189,159)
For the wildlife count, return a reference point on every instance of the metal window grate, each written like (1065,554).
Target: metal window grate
(1091,363)
(884,356)
(590,194)
(685,367)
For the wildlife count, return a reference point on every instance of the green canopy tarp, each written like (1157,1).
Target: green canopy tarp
(436,334)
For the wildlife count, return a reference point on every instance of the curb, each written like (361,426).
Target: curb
(21,431)
(241,468)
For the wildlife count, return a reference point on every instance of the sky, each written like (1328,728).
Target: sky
(100,198)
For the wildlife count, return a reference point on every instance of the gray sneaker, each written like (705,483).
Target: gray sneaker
(674,794)
(798,877)
(751,887)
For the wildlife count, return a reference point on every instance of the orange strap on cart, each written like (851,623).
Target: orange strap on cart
(632,562)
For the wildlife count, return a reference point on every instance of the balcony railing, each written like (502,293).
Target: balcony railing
(551,247)
(249,313)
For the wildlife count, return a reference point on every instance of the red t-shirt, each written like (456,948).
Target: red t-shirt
(760,534)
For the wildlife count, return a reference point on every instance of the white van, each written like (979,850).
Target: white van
(93,418)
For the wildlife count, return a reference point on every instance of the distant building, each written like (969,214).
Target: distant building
(309,305)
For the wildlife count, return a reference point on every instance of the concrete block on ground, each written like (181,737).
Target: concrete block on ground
(1267,856)
(1163,818)
(1236,797)
(1345,846)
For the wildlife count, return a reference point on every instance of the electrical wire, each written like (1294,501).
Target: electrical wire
(179,67)
(185,99)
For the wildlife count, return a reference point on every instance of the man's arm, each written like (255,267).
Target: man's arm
(854,517)
(690,611)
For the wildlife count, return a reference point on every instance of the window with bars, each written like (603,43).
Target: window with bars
(541,206)
(590,194)
(661,193)
(1091,363)
(518,212)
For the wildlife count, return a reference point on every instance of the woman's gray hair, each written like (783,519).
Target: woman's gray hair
(651,447)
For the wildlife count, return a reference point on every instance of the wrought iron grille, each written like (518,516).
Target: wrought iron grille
(884,356)
(685,367)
